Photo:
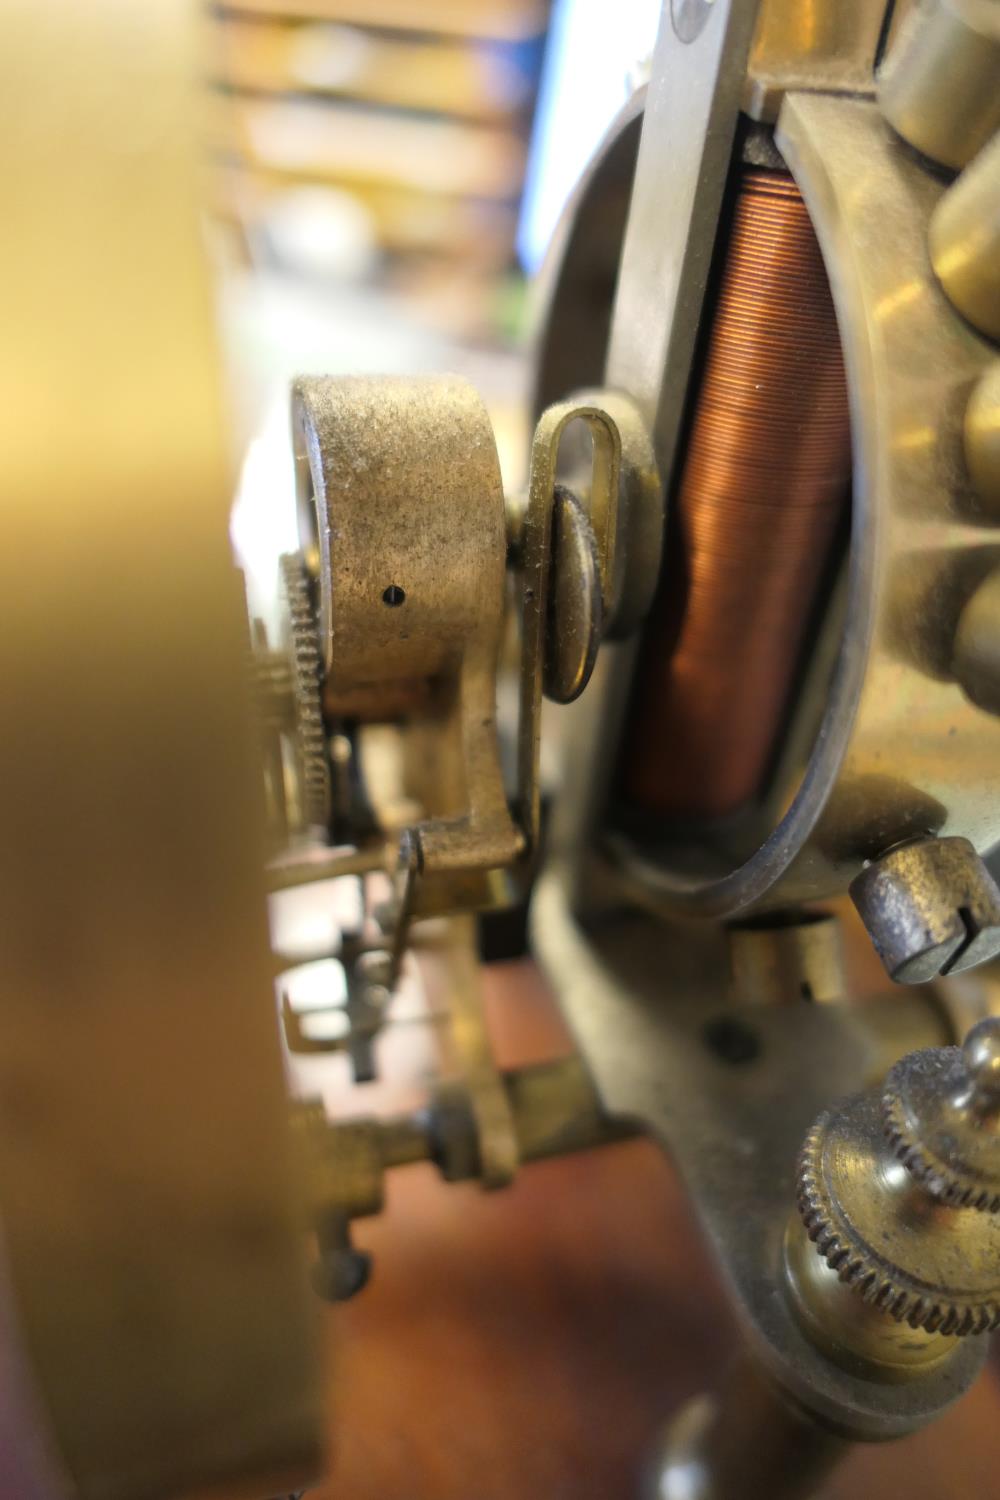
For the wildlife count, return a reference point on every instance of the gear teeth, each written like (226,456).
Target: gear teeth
(308,669)
(944,1185)
(871,1282)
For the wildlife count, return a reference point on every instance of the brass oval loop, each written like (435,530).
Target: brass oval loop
(575,607)
(620,470)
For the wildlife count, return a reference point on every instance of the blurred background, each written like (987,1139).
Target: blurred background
(386,177)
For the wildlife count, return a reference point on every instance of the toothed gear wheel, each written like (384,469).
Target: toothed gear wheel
(307,662)
(941,1112)
(873,1224)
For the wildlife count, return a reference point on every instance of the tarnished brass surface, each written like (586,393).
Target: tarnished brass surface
(381,464)
(629,555)
(625,513)
(901,1203)
(976,652)
(400,495)
(552,1107)
(982,437)
(145,1197)
(942,1113)
(346,1161)
(575,607)
(313,782)
(304,866)
(938,84)
(556,1110)
(828,45)
(851,1331)
(931,907)
(899,1248)
(402,515)
(730,1091)
(787,959)
(451,969)
(965,238)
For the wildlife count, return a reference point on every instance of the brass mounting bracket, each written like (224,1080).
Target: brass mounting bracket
(402,520)
(402,515)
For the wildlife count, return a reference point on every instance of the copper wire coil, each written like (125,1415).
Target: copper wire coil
(765,477)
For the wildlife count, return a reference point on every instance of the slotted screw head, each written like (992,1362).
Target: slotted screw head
(931,908)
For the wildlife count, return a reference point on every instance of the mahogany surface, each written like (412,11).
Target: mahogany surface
(531,1342)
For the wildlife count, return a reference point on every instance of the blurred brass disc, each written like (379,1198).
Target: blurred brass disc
(150,1227)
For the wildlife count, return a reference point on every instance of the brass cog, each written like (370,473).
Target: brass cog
(307,663)
(926,1264)
(941,1114)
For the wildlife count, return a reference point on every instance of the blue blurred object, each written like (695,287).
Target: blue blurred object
(592,55)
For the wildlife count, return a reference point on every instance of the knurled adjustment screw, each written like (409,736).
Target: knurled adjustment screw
(942,1117)
(888,1188)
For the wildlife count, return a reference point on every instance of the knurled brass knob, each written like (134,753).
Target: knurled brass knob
(942,1115)
(899,1196)
(304,650)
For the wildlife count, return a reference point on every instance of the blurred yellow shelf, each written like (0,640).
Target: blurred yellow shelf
(498,20)
(345,143)
(457,77)
(403,220)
